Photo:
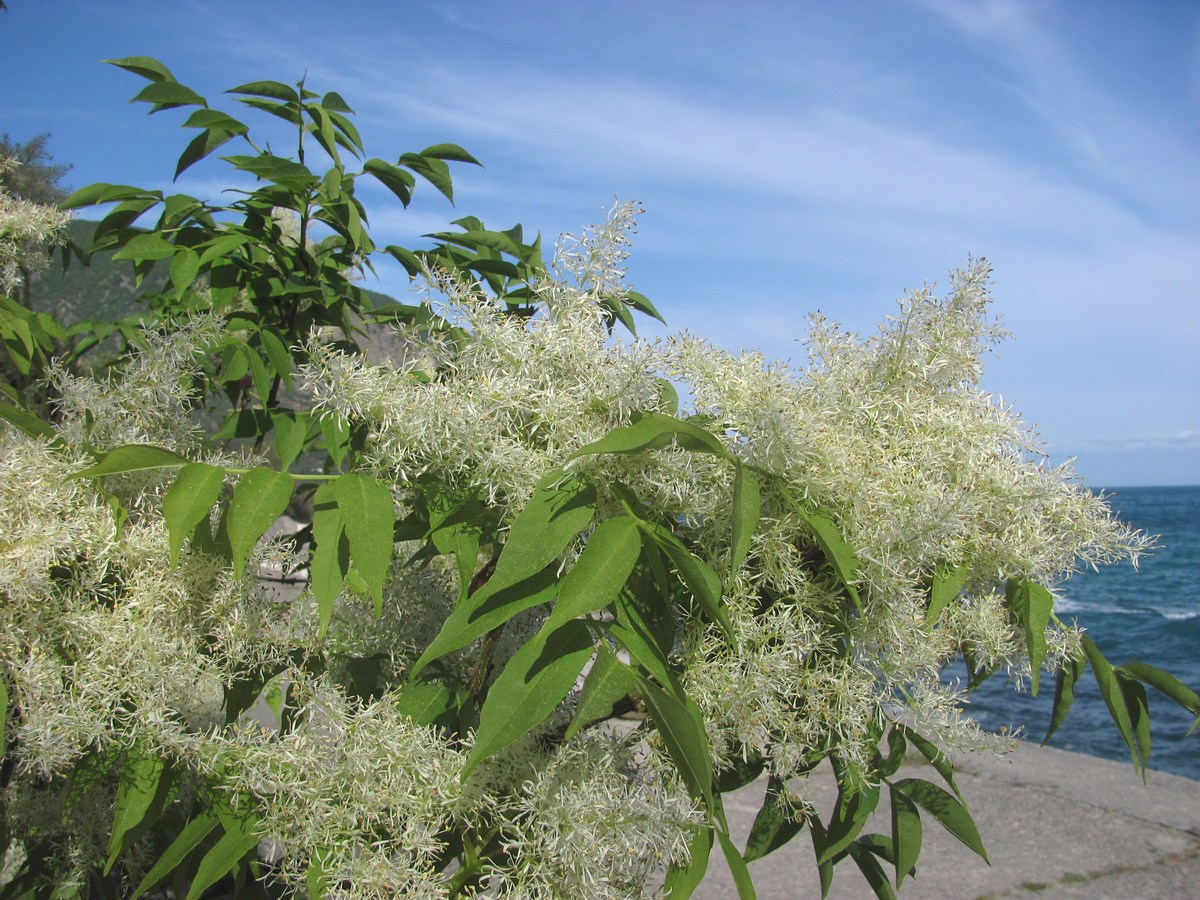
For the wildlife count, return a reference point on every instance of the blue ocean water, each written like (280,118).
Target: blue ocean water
(1150,614)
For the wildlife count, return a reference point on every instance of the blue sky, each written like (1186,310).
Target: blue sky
(791,156)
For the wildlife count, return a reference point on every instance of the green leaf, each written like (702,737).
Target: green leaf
(533,683)
(1030,606)
(145,66)
(602,569)
(855,805)
(452,152)
(561,507)
(773,826)
(746,504)
(146,246)
(906,833)
(839,554)
(132,458)
(432,170)
(681,726)
(28,423)
(167,95)
(702,582)
(273,90)
(1138,706)
(329,559)
(277,353)
(188,839)
(682,881)
(737,867)
(291,429)
(260,497)
(946,809)
(1114,698)
(137,791)
(872,871)
(187,503)
(1166,683)
(185,265)
(203,145)
(425,702)
(1064,692)
(223,858)
(653,431)
(395,180)
(948,582)
(369,520)
(607,682)
(936,758)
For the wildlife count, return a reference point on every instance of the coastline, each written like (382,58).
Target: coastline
(1055,824)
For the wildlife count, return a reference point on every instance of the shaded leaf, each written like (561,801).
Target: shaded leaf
(607,682)
(1064,692)
(1114,698)
(681,726)
(329,559)
(838,553)
(145,66)
(682,881)
(222,858)
(773,826)
(737,867)
(137,791)
(946,809)
(188,839)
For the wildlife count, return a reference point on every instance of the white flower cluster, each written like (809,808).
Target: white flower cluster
(24,227)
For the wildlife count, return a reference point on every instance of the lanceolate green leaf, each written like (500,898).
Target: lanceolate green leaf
(1030,605)
(746,503)
(607,682)
(222,859)
(682,881)
(653,431)
(906,833)
(946,809)
(606,562)
(192,835)
(737,867)
(773,826)
(839,554)
(137,792)
(330,557)
(1114,699)
(187,503)
(534,682)
(1138,706)
(1166,683)
(132,458)
(369,520)
(681,726)
(948,582)
(1064,692)
(699,577)
(259,499)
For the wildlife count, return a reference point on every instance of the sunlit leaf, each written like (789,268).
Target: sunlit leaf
(607,682)
(369,520)
(260,497)
(1030,605)
(187,503)
(746,503)
(132,458)
(653,431)
(600,571)
(681,726)
(944,807)
(533,683)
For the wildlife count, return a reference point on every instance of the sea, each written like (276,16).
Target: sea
(1151,614)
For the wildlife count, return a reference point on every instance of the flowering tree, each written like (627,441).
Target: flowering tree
(518,534)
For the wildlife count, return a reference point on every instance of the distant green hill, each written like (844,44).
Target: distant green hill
(104,289)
